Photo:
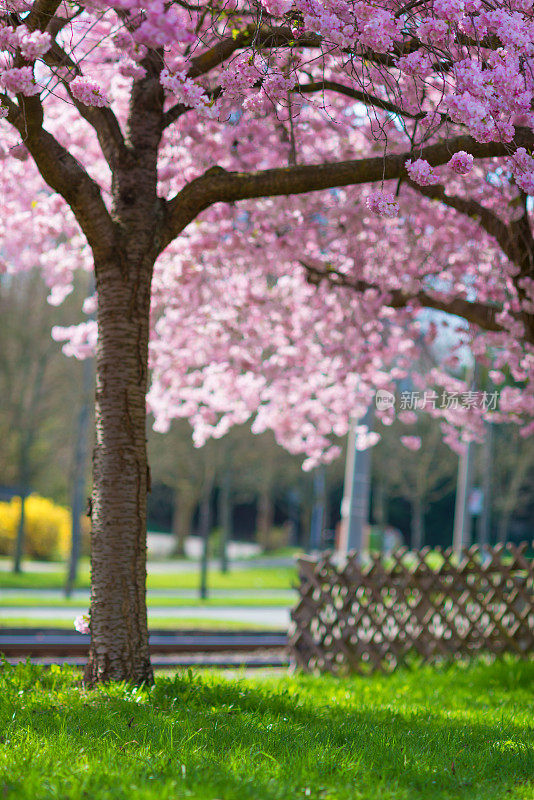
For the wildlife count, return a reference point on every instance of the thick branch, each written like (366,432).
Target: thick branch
(480,314)
(107,128)
(218,185)
(491,223)
(41,14)
(251,35)
(65,175)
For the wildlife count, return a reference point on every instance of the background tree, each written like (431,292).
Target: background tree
(36,419)
(414,463)
(513,477)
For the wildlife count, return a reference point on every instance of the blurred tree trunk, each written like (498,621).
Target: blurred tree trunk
(182,519)
(265,517)
(19,544)
(225,517)
(418,524)
(80,472)
(28,429)
(504,527)
(380,503)
(205,522)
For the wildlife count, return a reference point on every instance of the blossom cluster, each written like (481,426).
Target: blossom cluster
(461,162)
(421,172)
(88,92)
(383,204)
(188,92)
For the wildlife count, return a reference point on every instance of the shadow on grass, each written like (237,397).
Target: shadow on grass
(232,740)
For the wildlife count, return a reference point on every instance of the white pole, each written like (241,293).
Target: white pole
(462,518)
(355,505)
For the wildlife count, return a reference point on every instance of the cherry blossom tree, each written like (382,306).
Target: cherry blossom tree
(128,128)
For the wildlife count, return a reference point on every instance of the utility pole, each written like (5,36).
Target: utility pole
(356,490)
(462,517)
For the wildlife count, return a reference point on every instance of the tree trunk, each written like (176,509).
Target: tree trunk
(225,517)
(119,646)
(418,525)
(205,530)
(182,518)
(265,518)
(80,473)
(19,543)
(484,521)
(503,529)
(26,445)
(380,503)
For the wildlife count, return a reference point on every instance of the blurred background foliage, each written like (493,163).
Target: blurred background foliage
(255,489)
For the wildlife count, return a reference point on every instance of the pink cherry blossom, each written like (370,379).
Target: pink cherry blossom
(383,204)
(88,92)
(421,172)
(82,624)
(411,442)
(461,162)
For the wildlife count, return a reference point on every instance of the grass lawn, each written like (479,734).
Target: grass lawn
(170,623)
(421,734)
(244,600)
(253,578)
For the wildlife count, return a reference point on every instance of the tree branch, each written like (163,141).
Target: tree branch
(480,314)
(106,126)
(491,223)
(65,175)
(356,94)
(217,185)
(41,14)
(262,36)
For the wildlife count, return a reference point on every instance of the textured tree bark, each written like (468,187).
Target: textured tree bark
(119,646)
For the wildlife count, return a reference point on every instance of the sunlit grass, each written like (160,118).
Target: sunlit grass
(155,622)
(429,733)
(250,578)
(246,600)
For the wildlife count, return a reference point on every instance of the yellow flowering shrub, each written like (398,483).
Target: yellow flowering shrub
(47,528)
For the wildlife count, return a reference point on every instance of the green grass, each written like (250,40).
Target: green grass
(427,734)
(253,578)
(242,600)
(172,623)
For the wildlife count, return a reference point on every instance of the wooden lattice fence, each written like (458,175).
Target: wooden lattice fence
(374,615)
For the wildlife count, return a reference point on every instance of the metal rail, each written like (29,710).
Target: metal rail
(168,649)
